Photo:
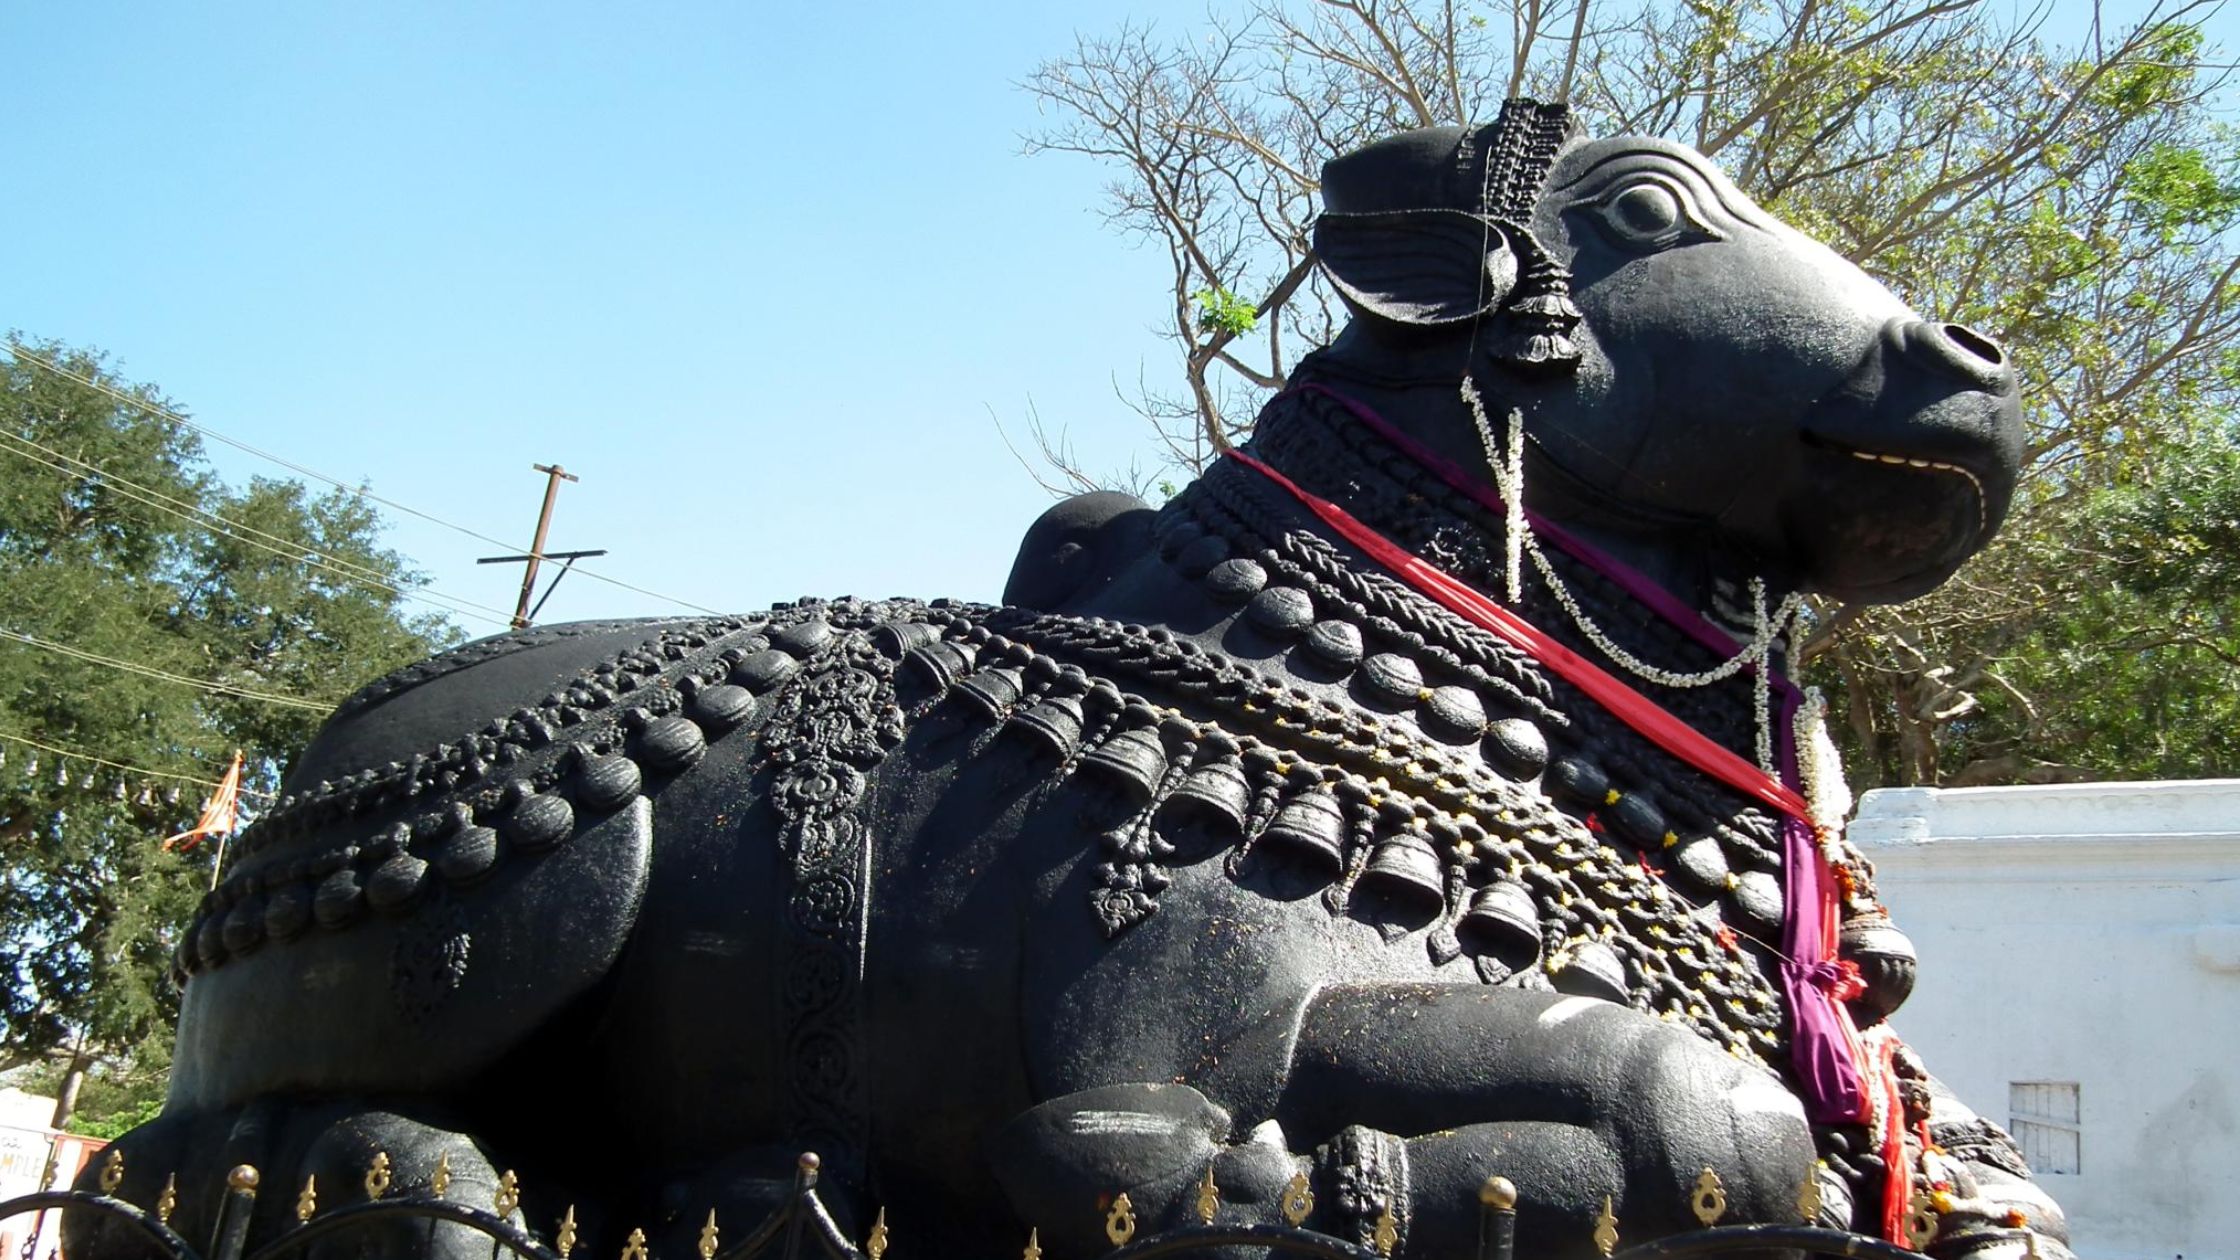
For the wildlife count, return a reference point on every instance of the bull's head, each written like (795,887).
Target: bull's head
(1683,360)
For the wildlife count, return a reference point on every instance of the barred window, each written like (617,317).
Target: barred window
(2045,1121)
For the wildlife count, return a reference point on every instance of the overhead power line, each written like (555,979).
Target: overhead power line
(113,477)
(21,354)
(119,765)
(150,671)
(291,551)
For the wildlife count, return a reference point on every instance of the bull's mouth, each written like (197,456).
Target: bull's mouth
(1983,510)
(1892,533)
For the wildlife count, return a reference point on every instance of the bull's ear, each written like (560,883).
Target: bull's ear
(1423,268)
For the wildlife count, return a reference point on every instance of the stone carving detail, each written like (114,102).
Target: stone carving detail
(1414,796)
(830,728)
(429,962)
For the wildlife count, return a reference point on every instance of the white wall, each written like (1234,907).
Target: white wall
(2086,933)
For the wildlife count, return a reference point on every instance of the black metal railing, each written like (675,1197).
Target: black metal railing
(801,1228)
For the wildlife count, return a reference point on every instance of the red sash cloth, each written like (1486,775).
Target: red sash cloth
(1631,707)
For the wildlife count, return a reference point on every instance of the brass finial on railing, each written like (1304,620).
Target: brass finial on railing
(634,1247)
(707,1246)
(112,1171)
(1209,1198)
(378,1175)
(1921,1223)
(1606,1228)
(1120,1222)
(1808,1198)
(1298,1200)
(1497,1218)
(441,1182)
(508,1196)
(1034,1246)
(307,1202)
(1710,1198)
(565,1241)
(876,1245)
(168,1201)
(232,1232)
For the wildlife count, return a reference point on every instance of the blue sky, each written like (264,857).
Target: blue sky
(765,276)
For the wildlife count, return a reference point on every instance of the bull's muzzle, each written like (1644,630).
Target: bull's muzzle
(1917,456)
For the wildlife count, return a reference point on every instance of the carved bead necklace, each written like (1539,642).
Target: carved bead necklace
(1229,502)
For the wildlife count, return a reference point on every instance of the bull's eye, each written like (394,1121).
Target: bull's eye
(1647,212)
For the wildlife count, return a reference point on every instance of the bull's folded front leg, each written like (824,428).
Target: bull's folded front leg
(1415,1094)
(1066,1164)
(1409,1097)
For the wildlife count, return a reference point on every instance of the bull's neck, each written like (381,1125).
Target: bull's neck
(1667,610)
(1675,555)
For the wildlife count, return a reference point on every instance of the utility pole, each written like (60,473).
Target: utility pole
(553,475)
(522,612)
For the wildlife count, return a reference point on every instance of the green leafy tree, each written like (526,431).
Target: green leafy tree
(153,620)
(2073,200)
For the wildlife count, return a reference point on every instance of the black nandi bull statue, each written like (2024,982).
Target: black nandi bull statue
(1340,826)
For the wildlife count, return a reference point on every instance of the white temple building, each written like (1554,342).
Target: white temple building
(31,1152)
(2080,984)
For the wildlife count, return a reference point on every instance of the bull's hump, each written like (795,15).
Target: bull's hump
(453,693)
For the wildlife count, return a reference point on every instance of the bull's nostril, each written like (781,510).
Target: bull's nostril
(1951,350)
(1976,343)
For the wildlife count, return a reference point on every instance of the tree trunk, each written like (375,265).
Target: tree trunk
(74,1080)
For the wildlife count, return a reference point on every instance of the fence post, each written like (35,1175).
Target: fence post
(804,1203)
(232,1232)
(1497,1219)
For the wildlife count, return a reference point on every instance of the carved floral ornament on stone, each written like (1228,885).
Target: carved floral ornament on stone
(1401,804)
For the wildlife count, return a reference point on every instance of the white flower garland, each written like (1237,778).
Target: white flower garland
(1508,478)
(1820,775)
(1506,461)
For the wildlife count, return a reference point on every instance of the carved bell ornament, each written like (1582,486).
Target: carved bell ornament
(992,690)
(1407,867)
(1216,793)
(940,664)
(1310,826)
(1132,761)
(1052,725)
(1591,969)
(1887,965)
(1502,922)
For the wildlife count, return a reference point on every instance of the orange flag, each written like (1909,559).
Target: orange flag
(219,814)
